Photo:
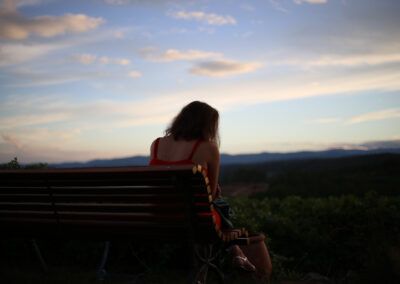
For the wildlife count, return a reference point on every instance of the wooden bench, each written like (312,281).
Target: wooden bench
(151,204)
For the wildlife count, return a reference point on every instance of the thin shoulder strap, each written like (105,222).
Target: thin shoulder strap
(156,147)
(195,146)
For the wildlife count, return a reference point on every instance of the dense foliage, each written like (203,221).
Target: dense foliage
(333,236)
(320,177)
(337,217)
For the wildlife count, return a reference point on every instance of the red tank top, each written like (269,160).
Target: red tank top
(155,161)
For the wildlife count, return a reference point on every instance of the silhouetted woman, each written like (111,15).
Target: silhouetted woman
(193,138)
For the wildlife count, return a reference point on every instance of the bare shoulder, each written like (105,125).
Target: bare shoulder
(152,147)
(152,144)
(211,149)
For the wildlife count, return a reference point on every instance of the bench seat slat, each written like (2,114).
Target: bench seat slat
(26,213)
(38,206)
(114,189)
(28,220)
(86,181)
(121,216)
(122,198)
(25,198)
(125,198)
(122,207)
(136,225)
(129,207)
(145,235)
(23,190)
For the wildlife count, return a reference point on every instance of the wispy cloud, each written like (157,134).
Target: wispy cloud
(153,54)
(42,112)
(345,60)
(16,26)
(143,2)
(375,116)
(117,2)
(91,58)
(221,68)
(277,5)
(27,77)
(247,7)
(85,58)
(16,53)
(11,5)
(310,1)
(207,18)
(135,74)
(12,140)
(29,147)
(16,121)
(387,144)
(324,120)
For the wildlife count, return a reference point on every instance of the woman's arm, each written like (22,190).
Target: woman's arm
(152,149)
(213,160)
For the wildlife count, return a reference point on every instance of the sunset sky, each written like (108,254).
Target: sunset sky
(102,78)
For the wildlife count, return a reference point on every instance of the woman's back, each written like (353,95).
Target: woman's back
(168,151)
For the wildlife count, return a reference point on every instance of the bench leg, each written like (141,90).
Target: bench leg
(101,272)
(138,258)
(39,255)
(207,258)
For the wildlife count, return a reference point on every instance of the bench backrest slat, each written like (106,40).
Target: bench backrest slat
(140,202)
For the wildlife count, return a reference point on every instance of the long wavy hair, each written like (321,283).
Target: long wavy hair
(196,121)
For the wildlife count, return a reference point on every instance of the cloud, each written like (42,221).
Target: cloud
(207,18)
(387,144)
(42,111)
(117,2)
(16,121)
(15,26)
(346,60)
(247,7)
(22,52)
(375,116)
(85,58)
(122,61)
(99,116)
(44,146)
(368,145)
(11,139)
(11,5)
(16,53)
(169,55)
(135,74)
(278,6)
(27,77)
(325,120)
(221,68)
(91,58)
(142,2)
(310,1)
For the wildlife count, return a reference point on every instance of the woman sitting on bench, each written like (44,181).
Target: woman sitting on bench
(193,138)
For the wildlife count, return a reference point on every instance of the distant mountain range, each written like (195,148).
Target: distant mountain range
(236,159)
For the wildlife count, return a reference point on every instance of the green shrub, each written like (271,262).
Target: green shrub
(330,236)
